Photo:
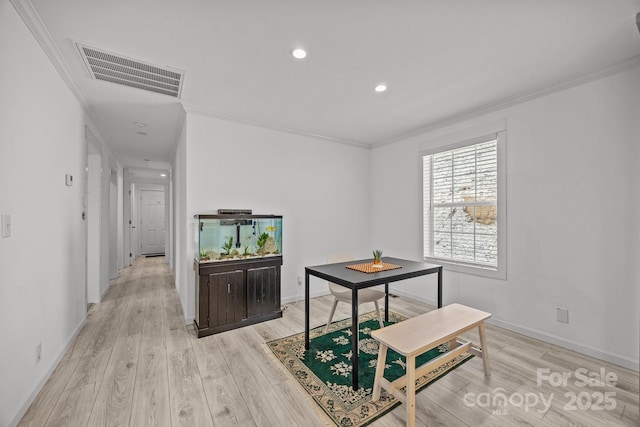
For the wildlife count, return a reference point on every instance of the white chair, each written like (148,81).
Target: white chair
(340,293)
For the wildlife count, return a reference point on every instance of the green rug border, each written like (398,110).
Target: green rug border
(386,403)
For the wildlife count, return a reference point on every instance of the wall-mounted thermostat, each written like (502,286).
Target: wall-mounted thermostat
(6,226)
(68,179)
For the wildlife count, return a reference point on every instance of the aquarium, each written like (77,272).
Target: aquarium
(236,236)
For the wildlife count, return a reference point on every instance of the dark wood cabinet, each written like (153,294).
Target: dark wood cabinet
(236,293)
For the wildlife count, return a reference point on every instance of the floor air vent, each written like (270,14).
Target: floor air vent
(117,69)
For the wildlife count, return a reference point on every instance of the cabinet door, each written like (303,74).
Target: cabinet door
(263,291)
(227,298)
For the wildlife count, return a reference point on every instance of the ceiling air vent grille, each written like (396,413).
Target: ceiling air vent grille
(117,69)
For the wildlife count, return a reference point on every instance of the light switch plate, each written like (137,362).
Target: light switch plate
(6,226)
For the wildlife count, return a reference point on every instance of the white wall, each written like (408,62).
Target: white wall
(120,220)
(183,263)
(113,225)
(171,223)
(94,219)
(572,183)
(42,290)
(320,188)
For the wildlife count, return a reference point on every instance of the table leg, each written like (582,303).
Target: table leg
(440,287)
(354,337)
(386,302)
(306,310)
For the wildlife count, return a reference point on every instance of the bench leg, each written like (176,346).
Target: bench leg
(453,343)
(485,350)
(411,391)
(382,357)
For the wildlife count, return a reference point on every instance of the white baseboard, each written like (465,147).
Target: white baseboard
(34,393)
(394,291)
(300,297)
(105,291)
(616,359)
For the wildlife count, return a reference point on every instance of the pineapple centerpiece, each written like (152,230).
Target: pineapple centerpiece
(377,258)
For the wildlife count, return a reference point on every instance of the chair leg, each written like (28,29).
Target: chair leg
(333,310)
(379,314)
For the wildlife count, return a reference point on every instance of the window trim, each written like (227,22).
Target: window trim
(479,269)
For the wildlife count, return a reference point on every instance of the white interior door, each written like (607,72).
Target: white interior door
(152,222)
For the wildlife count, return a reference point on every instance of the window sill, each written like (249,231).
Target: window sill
(472,269)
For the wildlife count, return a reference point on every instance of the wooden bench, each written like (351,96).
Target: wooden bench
(419,334)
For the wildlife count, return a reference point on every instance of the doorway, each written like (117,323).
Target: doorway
(152,222)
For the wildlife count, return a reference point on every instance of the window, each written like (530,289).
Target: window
(462,201)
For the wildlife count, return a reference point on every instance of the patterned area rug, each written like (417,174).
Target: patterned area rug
(324,370)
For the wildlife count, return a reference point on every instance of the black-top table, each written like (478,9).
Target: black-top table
(338,273)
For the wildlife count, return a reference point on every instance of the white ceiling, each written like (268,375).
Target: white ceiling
(440,60)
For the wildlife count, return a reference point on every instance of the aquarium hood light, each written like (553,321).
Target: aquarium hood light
(235,211)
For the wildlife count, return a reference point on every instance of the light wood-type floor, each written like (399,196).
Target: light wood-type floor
(135,363)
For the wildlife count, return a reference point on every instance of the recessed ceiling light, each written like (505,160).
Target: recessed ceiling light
(163,175)
(299,53)
(139,124)
(381,87)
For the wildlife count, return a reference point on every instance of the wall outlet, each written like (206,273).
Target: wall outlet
(299,280)
(562,315)
(39,352)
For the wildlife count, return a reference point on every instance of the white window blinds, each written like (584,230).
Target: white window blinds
(460,196)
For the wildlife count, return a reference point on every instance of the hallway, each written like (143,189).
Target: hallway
(117,365)
(136,363)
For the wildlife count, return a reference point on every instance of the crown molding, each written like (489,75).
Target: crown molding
(189,108)
(517,99)
(177,134)
(36,26)
(32,20)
